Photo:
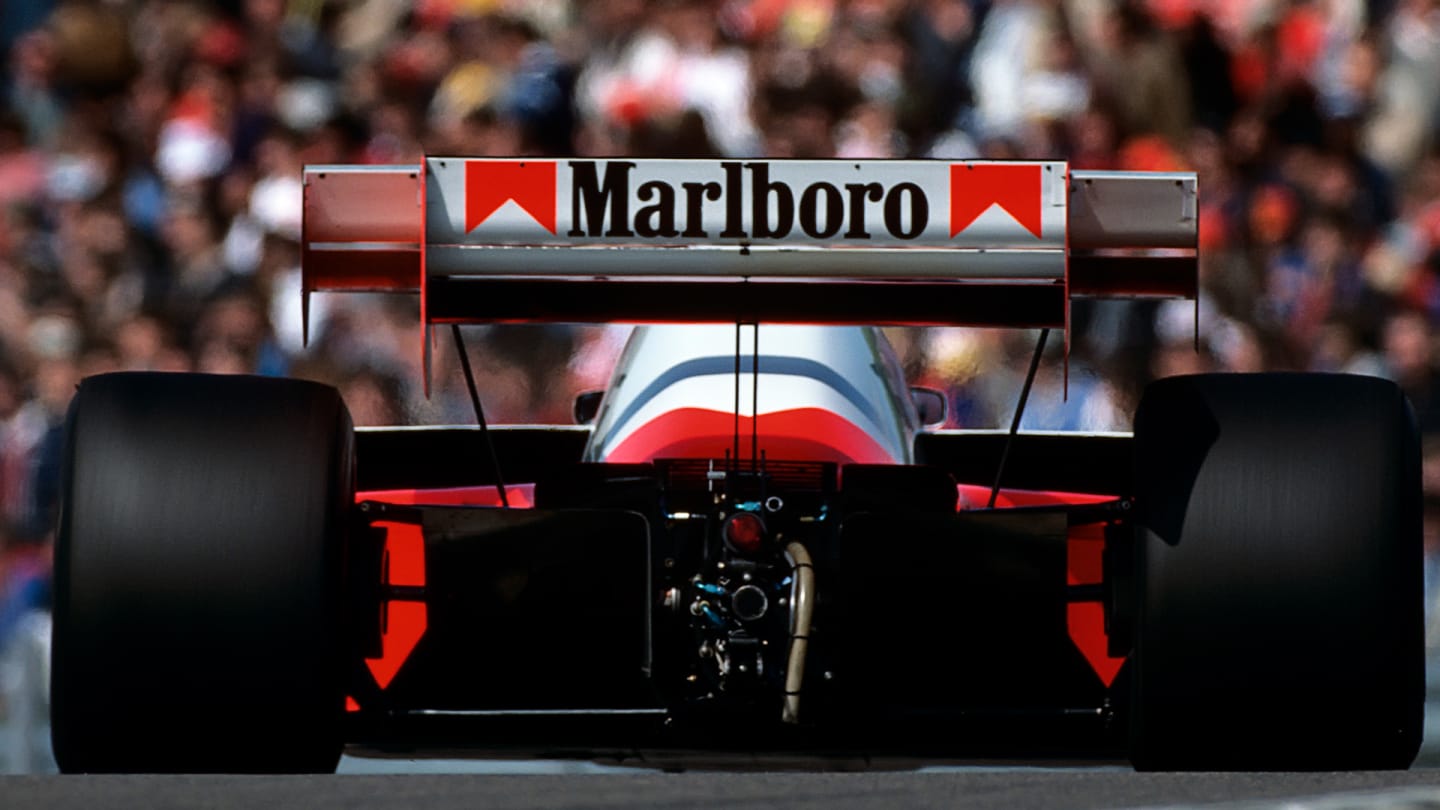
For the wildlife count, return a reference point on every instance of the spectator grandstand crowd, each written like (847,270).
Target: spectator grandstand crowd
(150,158)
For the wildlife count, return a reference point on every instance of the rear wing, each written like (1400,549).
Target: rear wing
(618,240)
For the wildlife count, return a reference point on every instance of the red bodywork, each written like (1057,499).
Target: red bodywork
(405,621)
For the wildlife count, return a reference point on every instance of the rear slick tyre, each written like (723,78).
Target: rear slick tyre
(1279,571)
(199,556)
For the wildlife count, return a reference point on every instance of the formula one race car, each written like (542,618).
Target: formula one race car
(754,544)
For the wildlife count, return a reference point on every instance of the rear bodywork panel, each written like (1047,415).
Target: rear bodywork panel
(970,631)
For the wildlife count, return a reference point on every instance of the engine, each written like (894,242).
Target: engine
(739,594)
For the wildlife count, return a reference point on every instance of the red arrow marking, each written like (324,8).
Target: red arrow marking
(1017,189)
(406,621)
(489,184)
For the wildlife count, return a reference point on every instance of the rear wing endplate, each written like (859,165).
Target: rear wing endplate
(884,242)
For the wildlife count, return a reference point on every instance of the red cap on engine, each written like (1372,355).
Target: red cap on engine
(744,532)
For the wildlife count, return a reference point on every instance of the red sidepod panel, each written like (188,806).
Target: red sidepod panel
(404,621)
(1086,620)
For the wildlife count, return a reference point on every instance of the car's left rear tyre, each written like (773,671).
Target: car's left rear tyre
(199,559)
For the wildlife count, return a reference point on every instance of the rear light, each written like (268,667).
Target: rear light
(744,533)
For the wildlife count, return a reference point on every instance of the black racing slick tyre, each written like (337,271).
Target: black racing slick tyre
(199,556)
(1279,612)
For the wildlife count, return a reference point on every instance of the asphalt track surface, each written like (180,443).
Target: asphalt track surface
(470,784)
(473,784)
(1016,788)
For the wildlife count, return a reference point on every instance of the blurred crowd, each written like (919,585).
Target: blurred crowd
(150,158)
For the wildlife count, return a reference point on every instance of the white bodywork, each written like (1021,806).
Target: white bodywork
(850,372)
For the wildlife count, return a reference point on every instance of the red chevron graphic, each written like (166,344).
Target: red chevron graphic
(1017,188)
(489,184)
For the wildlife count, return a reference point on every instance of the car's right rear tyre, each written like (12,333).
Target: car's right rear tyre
(1279,575)
(199,556)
